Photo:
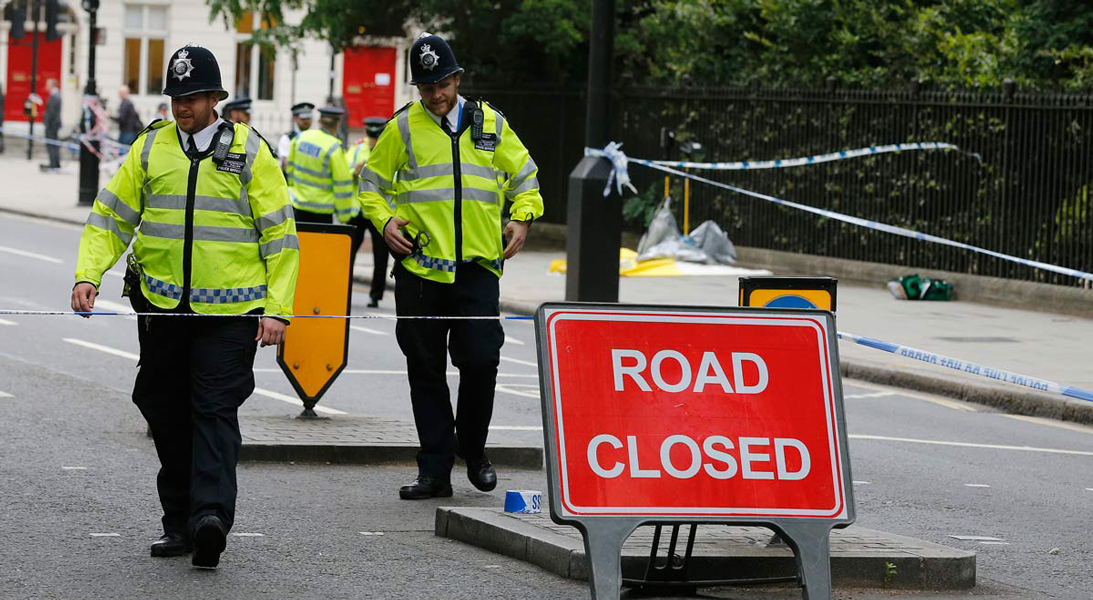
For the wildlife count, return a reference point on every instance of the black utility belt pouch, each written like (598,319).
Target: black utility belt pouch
(133,274)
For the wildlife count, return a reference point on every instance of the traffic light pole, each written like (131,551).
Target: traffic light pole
(595,222)
(31,111)
(89,157)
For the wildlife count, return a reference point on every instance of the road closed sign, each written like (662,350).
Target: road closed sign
(693,414)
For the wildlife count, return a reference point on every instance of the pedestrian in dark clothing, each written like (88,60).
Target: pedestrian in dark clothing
(52,121)
(129,123)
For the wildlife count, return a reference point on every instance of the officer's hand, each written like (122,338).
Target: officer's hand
(393,236)
(517,232)
(271,332)
(83,298)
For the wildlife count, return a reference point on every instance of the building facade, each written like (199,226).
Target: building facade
(135,39)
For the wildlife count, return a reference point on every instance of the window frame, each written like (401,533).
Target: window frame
(144,34)
(255,50)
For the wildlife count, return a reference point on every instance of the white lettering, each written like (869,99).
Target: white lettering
(715,454)
(635,469)
(684,366)
(747,457)
(780,459)
(666,457)
(593,458)
(738,359)
(634,370)
(710,363)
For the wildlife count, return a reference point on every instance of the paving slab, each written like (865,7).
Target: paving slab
(357,440)
(860,557)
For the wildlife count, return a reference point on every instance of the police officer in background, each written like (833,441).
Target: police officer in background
(215,235)
(302,113)
(319,179)
(238,110)
(438,163)
(358,156)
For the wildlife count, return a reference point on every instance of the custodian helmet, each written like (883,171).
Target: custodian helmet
(432,60)
(193,69)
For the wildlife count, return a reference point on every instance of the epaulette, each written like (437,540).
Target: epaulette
(155,124)
(404,107)
(492,107)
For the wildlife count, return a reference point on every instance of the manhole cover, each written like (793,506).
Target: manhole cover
(979,340)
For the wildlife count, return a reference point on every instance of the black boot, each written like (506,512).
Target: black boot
(210,538)
(171,544)
(482,474)
(426,487)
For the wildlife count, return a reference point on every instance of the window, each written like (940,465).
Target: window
(255,64)
(145,32)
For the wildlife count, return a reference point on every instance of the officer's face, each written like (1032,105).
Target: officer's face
(239,116)
(194,112)
(440,97)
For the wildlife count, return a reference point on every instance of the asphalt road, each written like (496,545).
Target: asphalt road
(79,505)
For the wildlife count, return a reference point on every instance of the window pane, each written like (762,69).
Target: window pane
(134,16)
(267,62)
(242,70)
(246,24)
(131,71)
(268,22)
(155,67)
(157,18)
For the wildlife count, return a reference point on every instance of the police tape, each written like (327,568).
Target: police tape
(970,368)
(74,146)
(614,157)
(819,158)
(68,313)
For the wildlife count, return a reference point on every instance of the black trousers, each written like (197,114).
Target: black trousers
(306,216)
(379,254)
(194,374)
(475,348)
(53,149)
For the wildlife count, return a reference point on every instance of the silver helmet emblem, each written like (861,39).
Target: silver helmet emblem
(182,67)
(429,59)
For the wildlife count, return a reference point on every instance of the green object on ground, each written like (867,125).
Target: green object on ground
(914,287)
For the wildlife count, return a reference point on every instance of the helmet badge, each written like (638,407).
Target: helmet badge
(429,59)
(182,67)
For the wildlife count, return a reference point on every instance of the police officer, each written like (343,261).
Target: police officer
(238,110)
(302,112)
(214,232)
(357,157)
(440,163)
(319,179)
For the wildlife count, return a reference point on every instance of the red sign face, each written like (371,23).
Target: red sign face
(694,414)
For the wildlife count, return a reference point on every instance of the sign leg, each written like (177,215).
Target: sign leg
(603,546)
(810,543)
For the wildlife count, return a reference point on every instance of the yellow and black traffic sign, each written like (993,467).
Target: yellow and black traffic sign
(316,350)
(789,292)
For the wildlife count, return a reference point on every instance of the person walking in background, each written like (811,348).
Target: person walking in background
(238,110)
(129,123)
(52,120)
(358,156)
(161,112)
(301,121)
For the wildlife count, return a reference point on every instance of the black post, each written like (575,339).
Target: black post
(34,4)
(595,222)
(89,157)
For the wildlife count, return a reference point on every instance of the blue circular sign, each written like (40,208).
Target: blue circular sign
(790,302)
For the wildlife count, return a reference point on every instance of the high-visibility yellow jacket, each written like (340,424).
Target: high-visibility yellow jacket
(318,176)
(358,154)
(222,235)
(450,187)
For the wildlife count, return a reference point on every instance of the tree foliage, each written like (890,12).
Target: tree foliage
(946,44)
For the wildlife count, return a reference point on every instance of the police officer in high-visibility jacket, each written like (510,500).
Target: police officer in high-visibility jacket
(319,179)
(209,208)
(357,156)
(447,164)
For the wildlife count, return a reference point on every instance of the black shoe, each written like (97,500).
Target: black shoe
(482,474)
(210,538)
(426,487)
(171,544)
(373,303)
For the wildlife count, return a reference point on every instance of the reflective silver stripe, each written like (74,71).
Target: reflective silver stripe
(109,224)
(368,186)
(531,184)
(446,169)
(321,186)
(320,174)
(111,201)
(343,182)
(146,150)
(251,148)
(330,151)
(374,178)
(275,246)
(343,195)
(524,173)
(500,118)
(274,218)
(207,233)
(313,206)
(448,194)
(404,129)
(209,203)
(351,211)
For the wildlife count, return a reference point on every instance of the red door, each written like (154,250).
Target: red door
(18,85)
(368,82)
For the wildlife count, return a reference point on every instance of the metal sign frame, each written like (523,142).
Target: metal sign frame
(789,284)
(604,534)
(311,401)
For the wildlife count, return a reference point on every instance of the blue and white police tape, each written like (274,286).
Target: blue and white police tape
(812,160)
(970,368)
(66,313)
(74,146)
(830,214)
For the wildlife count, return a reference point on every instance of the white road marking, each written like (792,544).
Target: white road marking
(367,330)
(519,362)
(241,534)
(371,533)
(74,468)
(976,485)
(5,395)
(1052,423)
(18,252)
(1089,489)
(975,538)
(512,340)
(885,438)
(105,535)
(869,395)
(7,322)
(511,388)
(101,348)
(296,401)
(862,483)
(515,428)
(990,543)
(900,392)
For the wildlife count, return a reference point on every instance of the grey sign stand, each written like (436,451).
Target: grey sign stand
(605,535)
